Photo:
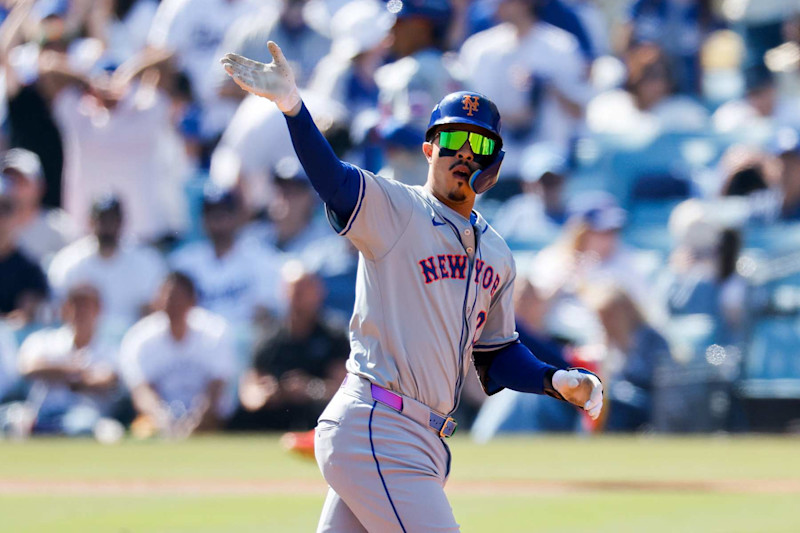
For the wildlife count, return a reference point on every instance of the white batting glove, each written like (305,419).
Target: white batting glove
(582,389)
(274,81)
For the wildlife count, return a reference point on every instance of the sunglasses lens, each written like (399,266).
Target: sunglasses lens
(452,140)
(480,144)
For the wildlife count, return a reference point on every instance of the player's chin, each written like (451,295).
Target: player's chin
(457,194)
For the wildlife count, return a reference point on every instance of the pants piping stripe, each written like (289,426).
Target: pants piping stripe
(375,457)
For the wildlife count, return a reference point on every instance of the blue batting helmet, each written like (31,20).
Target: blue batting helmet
(467,107)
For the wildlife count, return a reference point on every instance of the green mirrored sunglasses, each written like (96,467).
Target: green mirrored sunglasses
(454,140)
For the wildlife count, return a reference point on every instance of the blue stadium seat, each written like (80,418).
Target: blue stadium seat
(773,352)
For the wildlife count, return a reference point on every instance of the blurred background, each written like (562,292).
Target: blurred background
(166,269)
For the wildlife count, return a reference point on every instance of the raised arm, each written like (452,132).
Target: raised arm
(336,182)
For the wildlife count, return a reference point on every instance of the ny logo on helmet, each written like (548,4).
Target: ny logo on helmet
(471,104)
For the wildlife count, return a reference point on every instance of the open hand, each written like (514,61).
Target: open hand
(274,80)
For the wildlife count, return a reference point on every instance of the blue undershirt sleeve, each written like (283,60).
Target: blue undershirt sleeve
(336,182)
(515,367)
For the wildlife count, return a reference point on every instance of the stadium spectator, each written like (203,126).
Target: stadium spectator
(634,352)
(762,110)
(701,276)
(119,138)
(192,31)
(236,279)
(73,372)
(42,232)
(535,217)
(588,251)
(679,28)
(33,75)
(648,103)
(409,86)
(536,74)
(177,363)
(23,286)
(297,367)
(126,275)
(240,160)
(292,227)
(347,74)
(283,22)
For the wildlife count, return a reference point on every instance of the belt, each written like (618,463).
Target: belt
(445,426)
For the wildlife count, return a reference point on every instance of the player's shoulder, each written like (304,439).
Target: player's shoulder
(491,239)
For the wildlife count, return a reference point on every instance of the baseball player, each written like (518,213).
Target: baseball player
(434,289)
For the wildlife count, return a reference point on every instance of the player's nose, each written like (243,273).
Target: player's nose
(465,152)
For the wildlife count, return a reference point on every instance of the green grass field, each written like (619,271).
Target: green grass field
(244,484)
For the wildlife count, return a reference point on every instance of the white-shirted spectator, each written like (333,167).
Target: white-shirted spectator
(535,217)
(126,275)
(536,74)
(589,251)
(762,109)
(41,232)
(177,363)
(122,141)
(235,279)
(72,369)
(647,104)
(193,30)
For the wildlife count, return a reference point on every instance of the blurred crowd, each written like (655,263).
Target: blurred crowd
(166,267)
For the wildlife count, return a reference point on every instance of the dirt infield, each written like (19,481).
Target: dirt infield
(215,487)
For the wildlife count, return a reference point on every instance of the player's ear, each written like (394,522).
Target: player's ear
(427,149)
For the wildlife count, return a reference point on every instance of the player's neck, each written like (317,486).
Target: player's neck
(463,208)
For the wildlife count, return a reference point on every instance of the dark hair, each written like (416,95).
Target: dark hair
(730,244)
(182,280)
(744,181)
(122,8)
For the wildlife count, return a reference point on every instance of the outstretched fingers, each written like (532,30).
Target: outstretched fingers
(237,59)
(277,53)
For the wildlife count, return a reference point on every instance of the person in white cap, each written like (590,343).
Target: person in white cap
(42,232)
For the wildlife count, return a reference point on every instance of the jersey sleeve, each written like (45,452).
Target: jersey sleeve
(382,213)
(500,328)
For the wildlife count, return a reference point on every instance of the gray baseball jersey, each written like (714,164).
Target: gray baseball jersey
(431,288)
